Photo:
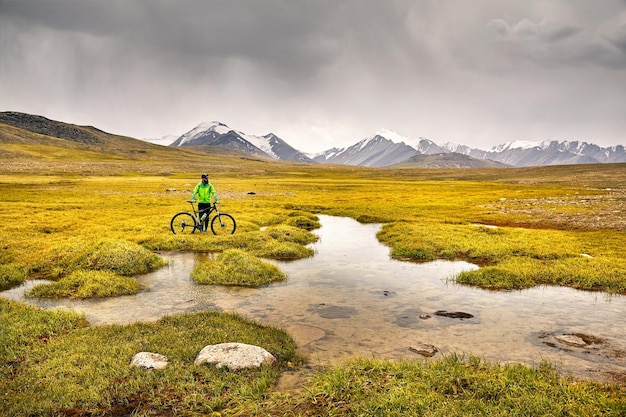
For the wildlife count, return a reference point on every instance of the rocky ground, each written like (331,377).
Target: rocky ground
(603,211)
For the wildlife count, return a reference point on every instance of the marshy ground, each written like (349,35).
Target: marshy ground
(560,226)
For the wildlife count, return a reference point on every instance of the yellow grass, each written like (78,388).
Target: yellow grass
(84,217)
(542,214)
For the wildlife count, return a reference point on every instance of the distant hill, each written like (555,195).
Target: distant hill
(37,139)
(38,124)
(448,160)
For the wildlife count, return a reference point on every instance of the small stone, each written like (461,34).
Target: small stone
(424,349)
(454,314)
(149,360)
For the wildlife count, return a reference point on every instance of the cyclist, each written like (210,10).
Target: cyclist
(204,190)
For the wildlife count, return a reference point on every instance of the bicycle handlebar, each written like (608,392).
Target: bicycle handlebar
(194,201)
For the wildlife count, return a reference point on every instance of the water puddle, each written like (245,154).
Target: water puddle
(352,299)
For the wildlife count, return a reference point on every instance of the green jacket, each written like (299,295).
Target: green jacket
(204,192)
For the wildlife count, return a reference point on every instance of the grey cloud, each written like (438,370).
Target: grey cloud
(547,31)
(287,37)
(618,39)
(325,71)
(556,44)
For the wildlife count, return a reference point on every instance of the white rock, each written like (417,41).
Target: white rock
(149,360)
(234,356)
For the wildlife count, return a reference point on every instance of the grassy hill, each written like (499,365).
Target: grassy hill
(29,141)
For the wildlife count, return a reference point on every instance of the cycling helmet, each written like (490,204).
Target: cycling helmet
(204,176)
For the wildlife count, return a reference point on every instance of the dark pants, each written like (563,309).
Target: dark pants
(204,208)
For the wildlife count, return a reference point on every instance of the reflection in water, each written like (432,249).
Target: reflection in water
(352,299)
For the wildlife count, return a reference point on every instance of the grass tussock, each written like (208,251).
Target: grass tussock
(118,256)
(426,242)
(11,276)
(303,220)
(75,373)
(274,242)
(87,284)
(287,233)
(236,267)
(454,386)
(511,258)
(583,273)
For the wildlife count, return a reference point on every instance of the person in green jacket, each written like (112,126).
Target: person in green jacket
(204,190)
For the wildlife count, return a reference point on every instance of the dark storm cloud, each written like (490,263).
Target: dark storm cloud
(192,31)
(322,73)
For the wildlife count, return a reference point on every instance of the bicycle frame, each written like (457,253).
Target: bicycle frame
(198,215)
(196,212)
(190,221)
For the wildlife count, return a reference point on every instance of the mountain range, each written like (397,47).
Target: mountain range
(386,148)
(383,149)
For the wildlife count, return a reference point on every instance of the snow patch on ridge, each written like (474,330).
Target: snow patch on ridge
(261,142)
(414,142)
(520,144)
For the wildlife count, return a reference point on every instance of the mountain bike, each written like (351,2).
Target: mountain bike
(186,222)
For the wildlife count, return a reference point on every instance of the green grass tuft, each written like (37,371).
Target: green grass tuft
(454,386)
(86,371)
(236,267)
(583,273)
(87,284)
(118,256)
(11,276)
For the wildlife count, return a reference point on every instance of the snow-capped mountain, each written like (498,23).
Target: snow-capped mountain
(384,148)
(218,134)
(526,153)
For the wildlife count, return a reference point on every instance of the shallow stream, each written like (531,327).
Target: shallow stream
(352,299)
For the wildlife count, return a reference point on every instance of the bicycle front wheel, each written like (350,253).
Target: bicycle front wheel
(223,224)
(183,223)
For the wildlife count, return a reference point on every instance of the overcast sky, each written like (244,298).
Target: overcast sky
(322,73)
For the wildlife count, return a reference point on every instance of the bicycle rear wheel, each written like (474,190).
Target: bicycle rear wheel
(183,223)
(223,224)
